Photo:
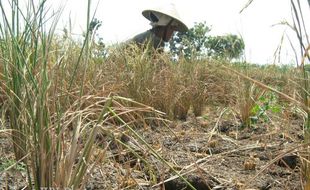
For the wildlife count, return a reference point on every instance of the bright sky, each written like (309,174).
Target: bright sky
(122,19)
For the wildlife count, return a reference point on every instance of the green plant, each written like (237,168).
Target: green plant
(265,103)
(6,164)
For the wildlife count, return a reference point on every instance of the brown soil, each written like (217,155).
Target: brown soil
(210,154)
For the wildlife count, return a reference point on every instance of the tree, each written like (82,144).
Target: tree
(225,47)
(94,25)
(191,43)
(99,48)
(195,43)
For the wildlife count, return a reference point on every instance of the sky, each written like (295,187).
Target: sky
(258,25)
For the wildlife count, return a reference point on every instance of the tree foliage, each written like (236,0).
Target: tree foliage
(196,43)
(94,25)
(225,47)
(99,50)
(191,43)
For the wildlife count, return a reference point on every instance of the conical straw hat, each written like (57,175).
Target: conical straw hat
(161,16)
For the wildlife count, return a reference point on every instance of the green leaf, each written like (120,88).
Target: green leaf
(255,109)
(276,109)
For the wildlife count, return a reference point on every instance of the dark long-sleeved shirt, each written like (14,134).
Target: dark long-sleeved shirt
(148,37)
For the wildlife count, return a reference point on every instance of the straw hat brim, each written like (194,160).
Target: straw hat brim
(180,25)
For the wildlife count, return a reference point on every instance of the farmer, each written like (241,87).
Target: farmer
(164,21)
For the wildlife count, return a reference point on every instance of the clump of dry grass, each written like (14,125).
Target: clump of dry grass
(154,79)
(249,95)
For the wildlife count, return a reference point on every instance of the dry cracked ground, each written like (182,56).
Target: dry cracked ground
(212,152)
